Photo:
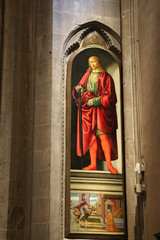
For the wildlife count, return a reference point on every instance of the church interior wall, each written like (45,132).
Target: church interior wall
(149,57)
(17,94)
(32,172)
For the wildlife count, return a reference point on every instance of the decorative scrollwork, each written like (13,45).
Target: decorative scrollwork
(94,27)
(72,48)
(116,51)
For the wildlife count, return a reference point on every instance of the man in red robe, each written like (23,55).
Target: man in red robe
(99,118)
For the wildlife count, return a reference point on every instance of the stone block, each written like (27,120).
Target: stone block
(24,77)
(9,59)
(57,113)
(40,231)
(5,156)
(125,5)
(128,96)
(4,182)
(40,210)
(104,8)
(131,200)
(26,41)
(44,24)
(57,99)
(17,217)
(130,176)
(56,149)
(6,120)
(69,6)
(18,188)
(5,51)
(41,185)
(44,72)
(126,50)
(21,150)
(44,49)
(62,22)
(4,166)
(58,41)
(7,83)
(127,70)
(55,213)
(43,113)
(15,234)
(58,74)
(42,137)
(57,154)
(59,106)
(13,39)
(3,234)
(129,151)
(11,18)
(43,91)
(126,25)
(44,6)
(128,124)
(55,229)
(42,161)
(3,215)
(131,225)
(55,183)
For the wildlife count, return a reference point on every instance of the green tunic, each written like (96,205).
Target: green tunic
(92,86)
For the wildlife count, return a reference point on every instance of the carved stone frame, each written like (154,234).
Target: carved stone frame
(99,36)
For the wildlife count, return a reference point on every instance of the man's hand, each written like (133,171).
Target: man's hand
(79,87)
(90,102)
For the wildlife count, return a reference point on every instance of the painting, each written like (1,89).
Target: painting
(95,202)
(96,112)
(96,213)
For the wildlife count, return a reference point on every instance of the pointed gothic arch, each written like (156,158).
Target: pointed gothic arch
(111,38)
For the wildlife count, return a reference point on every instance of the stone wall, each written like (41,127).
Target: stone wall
(40,222)
(129,111)
(32,171)
(17,106)
(66,16)
(149,54)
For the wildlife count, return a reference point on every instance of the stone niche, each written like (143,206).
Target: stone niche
(91,39)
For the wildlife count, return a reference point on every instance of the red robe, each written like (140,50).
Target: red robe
(102,117)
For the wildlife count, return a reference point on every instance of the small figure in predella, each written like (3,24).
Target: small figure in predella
(99,118)
(110,222)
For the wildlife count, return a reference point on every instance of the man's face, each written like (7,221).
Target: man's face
(93,63)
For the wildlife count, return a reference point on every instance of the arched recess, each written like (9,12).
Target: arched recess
(110,37)
(91,39)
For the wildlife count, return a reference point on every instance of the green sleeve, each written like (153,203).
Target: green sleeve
(97,101)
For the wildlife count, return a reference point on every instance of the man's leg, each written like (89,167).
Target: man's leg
(93,156)
(107,153)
